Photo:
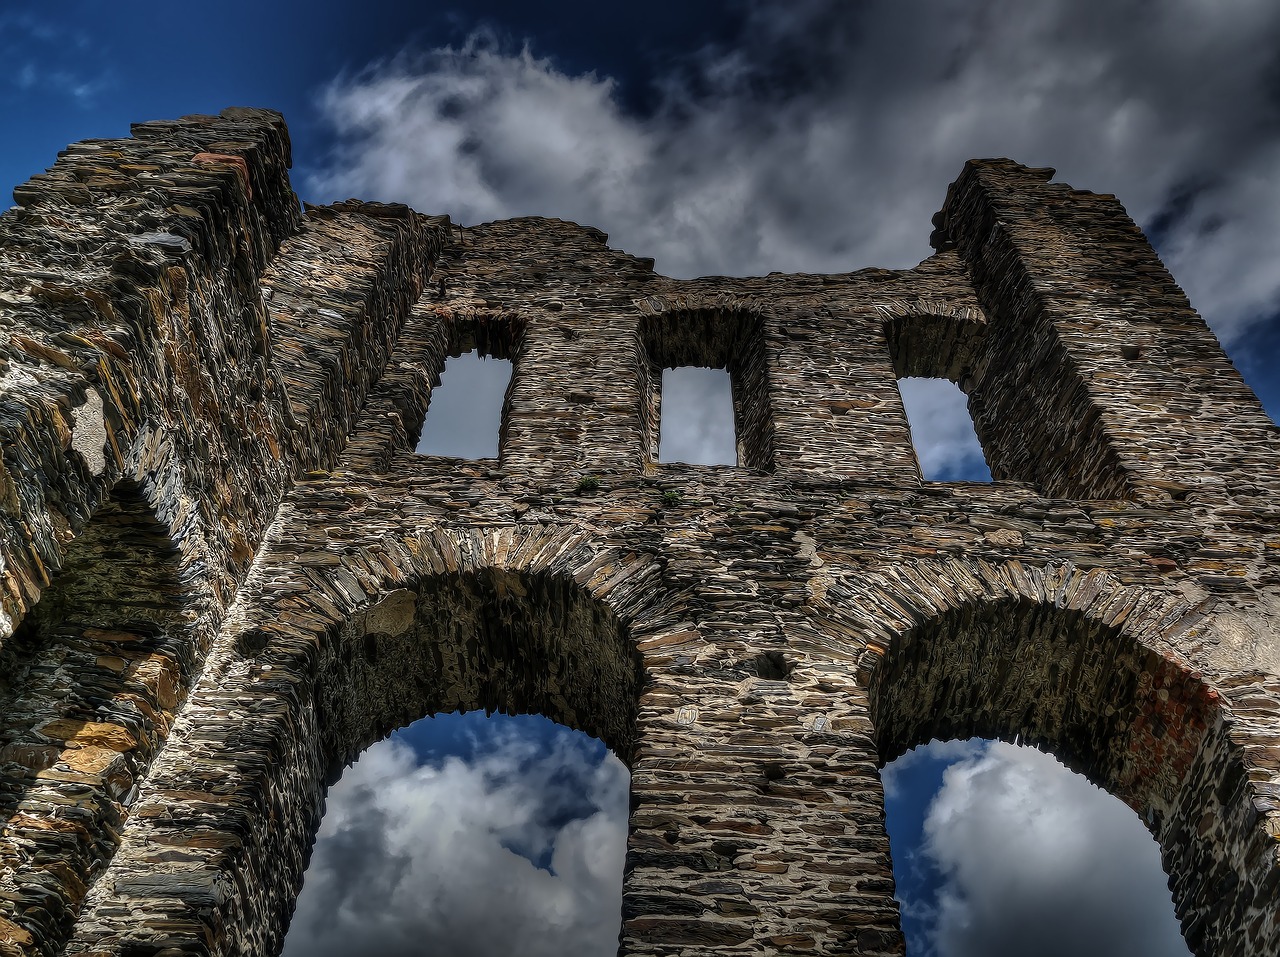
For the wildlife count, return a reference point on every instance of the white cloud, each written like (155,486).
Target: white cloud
(953,750)
(439,858)
(1036,859)
(481,133)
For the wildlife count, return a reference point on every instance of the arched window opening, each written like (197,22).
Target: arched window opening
(942,431)
(697,417)
(464,418)
(1034,414)
(999,849)
(934,357)
(467,834)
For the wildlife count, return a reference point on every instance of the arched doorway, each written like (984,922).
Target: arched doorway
(487,640)
(1083,674)
(336,649)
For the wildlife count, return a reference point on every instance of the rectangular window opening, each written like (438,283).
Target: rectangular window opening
(464,415)
(942,431)
(696,425)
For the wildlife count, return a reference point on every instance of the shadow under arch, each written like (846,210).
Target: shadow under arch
(1084,667)
(491,639)
(933,339)
(90,682)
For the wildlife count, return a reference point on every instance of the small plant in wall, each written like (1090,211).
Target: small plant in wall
(588,483)
(670,497)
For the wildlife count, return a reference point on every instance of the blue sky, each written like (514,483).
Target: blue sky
(90,68)
(721,138)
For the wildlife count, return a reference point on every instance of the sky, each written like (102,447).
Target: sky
(720,138)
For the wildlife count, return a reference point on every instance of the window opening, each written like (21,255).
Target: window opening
(999,849)
(462,833)
(705,391)
(697,417)
(464,417)
(942,431)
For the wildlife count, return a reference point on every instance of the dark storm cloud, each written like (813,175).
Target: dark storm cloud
(825,139)
(354,869)
(519,851)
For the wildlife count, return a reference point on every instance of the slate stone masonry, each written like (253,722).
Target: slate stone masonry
(225,572)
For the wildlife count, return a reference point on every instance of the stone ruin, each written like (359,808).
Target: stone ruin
(226,571)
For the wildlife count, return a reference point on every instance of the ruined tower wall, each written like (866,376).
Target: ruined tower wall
(1099,379)
(142,364)
(756,641)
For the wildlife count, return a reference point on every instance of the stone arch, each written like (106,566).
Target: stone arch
(1081,664)
(90,682)
(717,332)
(487,639)
(464,624)
(335,655)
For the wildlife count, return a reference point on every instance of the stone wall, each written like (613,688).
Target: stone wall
(226,572)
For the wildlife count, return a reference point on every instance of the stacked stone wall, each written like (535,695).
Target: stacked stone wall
(194,367)
(139,364)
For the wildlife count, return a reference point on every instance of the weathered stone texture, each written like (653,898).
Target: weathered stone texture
(225,571)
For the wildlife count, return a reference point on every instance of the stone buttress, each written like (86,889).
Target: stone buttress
(225,571)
